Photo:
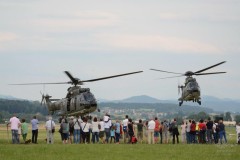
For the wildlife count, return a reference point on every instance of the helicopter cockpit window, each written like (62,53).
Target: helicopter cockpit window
(88,96)
(192,86)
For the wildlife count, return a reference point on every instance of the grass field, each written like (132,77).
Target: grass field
(58,151)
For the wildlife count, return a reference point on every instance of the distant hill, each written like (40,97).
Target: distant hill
(8,97)
(217,104)
(214,103)
(223,105)
(140,99)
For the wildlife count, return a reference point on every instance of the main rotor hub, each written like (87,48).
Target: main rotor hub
(189,73)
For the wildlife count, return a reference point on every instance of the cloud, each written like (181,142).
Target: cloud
(77,20)
(158,43)
(7,36)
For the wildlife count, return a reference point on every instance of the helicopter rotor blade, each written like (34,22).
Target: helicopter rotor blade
(199,74)
(119,75)
(164,71)
(171,77)
(40,83)
(74,80)
(210,67)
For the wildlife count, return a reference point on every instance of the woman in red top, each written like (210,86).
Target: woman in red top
(193,132)
(202,128)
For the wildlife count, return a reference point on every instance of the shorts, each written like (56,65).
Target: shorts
(156,133)
(101,134)
(65,136)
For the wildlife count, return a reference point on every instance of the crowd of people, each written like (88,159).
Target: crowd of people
(105,130)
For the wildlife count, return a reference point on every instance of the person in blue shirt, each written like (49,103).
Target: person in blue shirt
(34,123)
(117,131)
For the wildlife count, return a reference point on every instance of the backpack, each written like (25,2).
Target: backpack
(71,127)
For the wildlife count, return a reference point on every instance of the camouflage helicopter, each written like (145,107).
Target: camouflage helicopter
(78,101)
(190,90)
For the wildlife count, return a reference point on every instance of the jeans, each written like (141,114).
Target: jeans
(221,135)
(95,135)
(15,139)
(117,137)
(216,137)
(107,132)
(76,134)
(209,135)
(188,137)
(34,136)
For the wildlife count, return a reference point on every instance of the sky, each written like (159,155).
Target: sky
(91,39)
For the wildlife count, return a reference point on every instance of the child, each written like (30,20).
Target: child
(112,133)
(24,129)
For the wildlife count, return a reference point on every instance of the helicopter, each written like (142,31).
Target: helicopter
(78,101)
(190,91)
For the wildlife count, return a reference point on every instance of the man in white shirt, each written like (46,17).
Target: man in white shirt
(151,126)
(49,126)
(125,129)
(107,125)
(15,123)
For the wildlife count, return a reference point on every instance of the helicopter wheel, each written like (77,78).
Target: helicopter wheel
(180,103)
(199,102)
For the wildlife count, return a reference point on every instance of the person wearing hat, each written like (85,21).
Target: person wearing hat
(50,126)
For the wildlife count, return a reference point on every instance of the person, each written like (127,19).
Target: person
(50,126)
(165,128)
(85,130)
(117,131)
(101,131)
(34,123)
(151,127)
(95,130)
(19,130)
(107,125)
(112,134)
(125,124)
(160,131)
(202,130)
(140,131)
(156,130)
(65,131)
(15,123)
(238,133)
(188,129)
(130,130)
(209,125)
(77,126)
(24,128)
(71,129)
(175,132)
(193,132)
(222,132)
(215,132)
(183,132)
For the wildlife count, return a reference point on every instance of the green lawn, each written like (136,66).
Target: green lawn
(58,151)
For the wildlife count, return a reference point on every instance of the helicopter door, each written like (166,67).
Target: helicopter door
(68,104)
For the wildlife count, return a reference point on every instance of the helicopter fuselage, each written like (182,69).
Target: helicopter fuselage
(191,91)
(79,101)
